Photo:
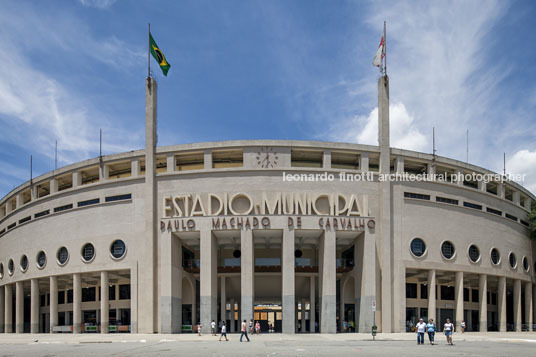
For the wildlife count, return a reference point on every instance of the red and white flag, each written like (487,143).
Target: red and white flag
(380,53)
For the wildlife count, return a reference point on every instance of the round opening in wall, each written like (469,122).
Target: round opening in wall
(62,255)
(298,253)
(237,253)
(495,256)
(474,253)
(513,261)
(24,263)
(447,250)
(418,247)
(41,259)
(118,249)
(88,252)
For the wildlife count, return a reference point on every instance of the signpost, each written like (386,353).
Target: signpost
(374,327)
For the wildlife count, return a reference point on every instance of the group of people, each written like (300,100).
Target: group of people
(253,328)
(430,328)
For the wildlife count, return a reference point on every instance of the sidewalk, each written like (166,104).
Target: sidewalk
(143,338)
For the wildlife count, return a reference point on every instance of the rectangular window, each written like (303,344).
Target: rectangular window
(424,291)
(190,161)
(474,293)
(42,213)
(494,211)
(227,158)
(345,160)
(526,224)
(418,196)
(111,292)
(509,216)
(488,297)
(494,298)
(306,158)
(411,291)
(61,297)
(3,231)
(12,225)
(124,292)
(465,294)
(25,219)
(447,292)
(69,296)
(88,294)
(89,202)
(472,205)
(63,208)
(43,300)
(450,201)
(127,196)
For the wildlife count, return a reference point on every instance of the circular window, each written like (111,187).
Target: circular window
(525,264)
(298,253)
(236,253)
(418,247)
(88,252)
(1,270)
(41,259)
(474,253)
(24,263)
(62,256)
(118,249)
(512,260)
(10,267)
(447,250)
(495,256)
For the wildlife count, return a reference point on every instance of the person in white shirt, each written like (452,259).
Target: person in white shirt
(420,328)
(449,329)
(213,327)
(223,332)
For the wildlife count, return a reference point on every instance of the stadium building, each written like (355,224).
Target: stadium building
(299,235)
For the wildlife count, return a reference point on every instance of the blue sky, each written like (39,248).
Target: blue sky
(287,69)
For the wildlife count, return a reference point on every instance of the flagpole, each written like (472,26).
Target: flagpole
(149,52)
(385,48)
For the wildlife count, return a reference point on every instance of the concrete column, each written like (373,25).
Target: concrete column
(247,267)
(516,197)
(432,295)
(134,292)
(34,306)
(208,279)
(288,288)
(501,190)
(517,305)
(326,159)
(170,162)
(528,304)
(19,200)
(232,329)
(459,299)
(328,319)
(342,292)
(54,185)
(399,164)
(77,303)
(135,167)
(501,303)
(53,302)
(105,302)
(104,172)
(303,315)
(8,311)
(171,290)
(460,180)
(483,301)
(364,162)
(312,303)
(207,157)
(2,309)
(223,300)
(19,307)
(77,179)
(365,283)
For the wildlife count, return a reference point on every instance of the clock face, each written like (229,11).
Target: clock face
(267,158)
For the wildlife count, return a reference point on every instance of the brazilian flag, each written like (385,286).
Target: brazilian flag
(159,56)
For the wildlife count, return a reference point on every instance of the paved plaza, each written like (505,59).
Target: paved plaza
(469,344)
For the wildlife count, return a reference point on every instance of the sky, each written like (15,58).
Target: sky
(267,69)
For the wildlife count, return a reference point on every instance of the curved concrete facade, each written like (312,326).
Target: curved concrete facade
(226,231)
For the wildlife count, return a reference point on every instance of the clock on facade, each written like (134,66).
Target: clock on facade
(267,157)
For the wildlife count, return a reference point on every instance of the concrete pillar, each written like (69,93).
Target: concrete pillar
(105,302)
(303,315)
(77,303)
(223,300)
(208,279)
(19,307)
(364,162)
(342,292)
(77,179)
(516,197)
(135,167)
(53,302)
(54,185)
(501,190)
(326,159)
(460,180)
(288,287)
(207,157)
(528,305)
(19,200)
(365,283)
(104,172)
(517,305)
(232,329)
(459,299)
(2,309)
(34,306)
(171,288)
(501,303)
(170,162)
(247,268)
(432,295)
(328,319)
(399,165)
(483,301)
(8,311)
(312,303)
(134,291)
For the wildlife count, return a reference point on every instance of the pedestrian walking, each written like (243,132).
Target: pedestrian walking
(449,329)
(223,332)
(213,327)
(251,327)
(244,331)
(463,326)
(257,327)
(431,330)
(420,328)
(199,327)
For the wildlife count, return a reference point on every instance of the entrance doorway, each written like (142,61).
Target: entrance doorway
(270,317)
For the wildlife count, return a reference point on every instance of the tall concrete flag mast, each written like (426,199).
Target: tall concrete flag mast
(384,240)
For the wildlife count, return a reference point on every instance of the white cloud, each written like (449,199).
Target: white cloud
(100,4)
(364,129)
(524,162)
